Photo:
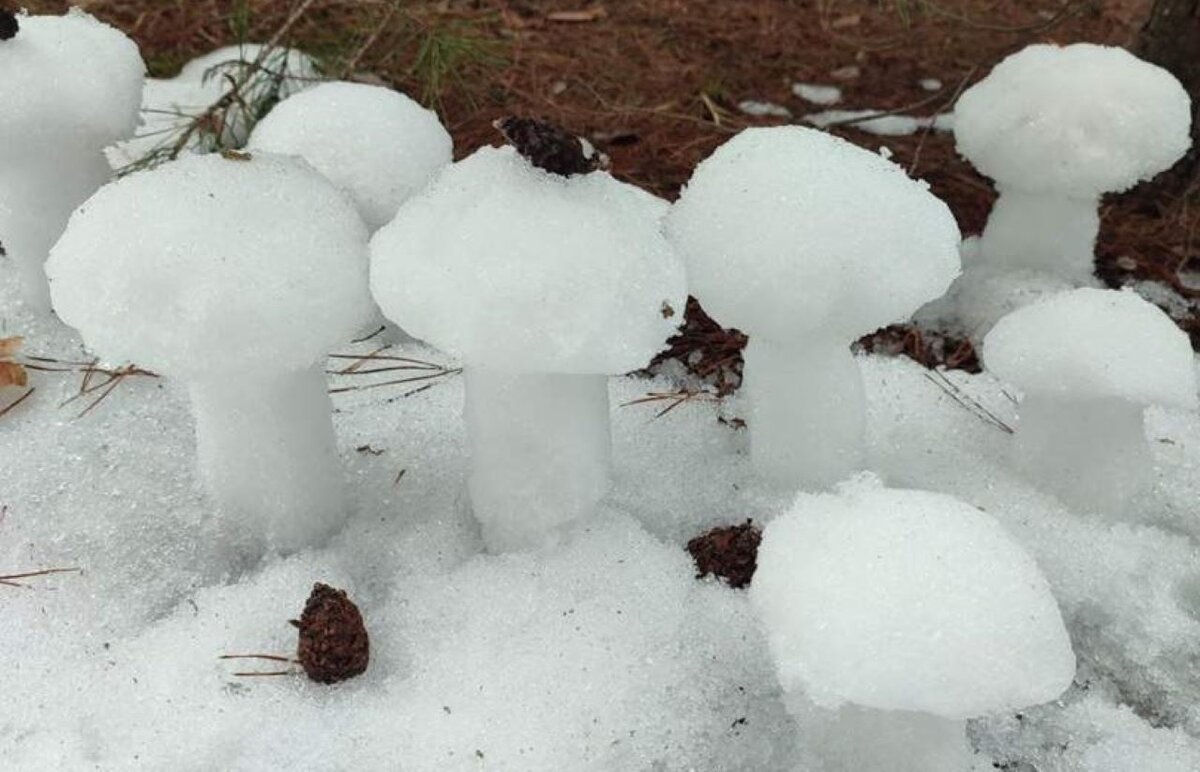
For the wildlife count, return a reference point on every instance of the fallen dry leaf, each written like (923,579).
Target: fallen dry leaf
(10,346)
(12,374)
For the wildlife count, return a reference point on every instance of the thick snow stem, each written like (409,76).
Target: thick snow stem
(1049,232)
(807,411)
(266,451)
(541,452)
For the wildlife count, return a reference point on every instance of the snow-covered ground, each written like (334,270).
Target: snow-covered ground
(604,653)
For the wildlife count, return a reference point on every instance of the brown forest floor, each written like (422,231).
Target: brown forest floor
(655,83)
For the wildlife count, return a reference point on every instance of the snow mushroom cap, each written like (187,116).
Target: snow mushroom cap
(376,144)
(788,230)
(1083,119)
(907,600)
(512,267)
(296,65)
(67,79)
(207,263)
(1093,343)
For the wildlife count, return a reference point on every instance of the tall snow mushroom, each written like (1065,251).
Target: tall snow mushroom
(1089,361)
(545,277)
(806,242)
(1056,127)
(69,87)
(237,276)
(894,616)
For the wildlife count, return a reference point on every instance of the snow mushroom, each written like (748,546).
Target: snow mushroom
(895,615)
(237,276)
(806,242)
(69,86)
(1056,127)
(375,143)
(1088,362)
(544,284)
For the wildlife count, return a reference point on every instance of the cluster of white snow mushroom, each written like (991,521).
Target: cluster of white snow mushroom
(237,273)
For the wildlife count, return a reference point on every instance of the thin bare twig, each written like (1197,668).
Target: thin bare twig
(10,580)
(972,405)
(11,406)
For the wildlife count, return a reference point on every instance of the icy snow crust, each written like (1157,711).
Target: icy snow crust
(907,600)
(375,143)
(68,80)
(255,265)
(511,267)
(771,227)
(1092,343)
(604,654)
(1081,119)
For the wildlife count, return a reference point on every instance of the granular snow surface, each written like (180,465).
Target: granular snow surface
(602,654)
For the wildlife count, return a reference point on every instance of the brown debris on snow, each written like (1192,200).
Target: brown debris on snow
(730,553)
(547,146)
(334,645)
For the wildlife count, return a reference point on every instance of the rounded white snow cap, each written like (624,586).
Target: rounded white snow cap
(788,230)
(512,267)
(1083,119)
(907,600)
(67,79)
(376,144)
(294,69)
(208,264)
(1093,343)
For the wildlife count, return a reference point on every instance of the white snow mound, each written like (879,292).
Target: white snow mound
(516,268)
(209,262)
(1090,343)
(787,230)
(375,143)
(907,600)
(1082,119)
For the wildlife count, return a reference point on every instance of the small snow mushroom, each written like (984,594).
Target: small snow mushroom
(895,615)
(237,277)
(1089,361)
(545,285)
(375,143)
(806,242)
(69,86)
(1056,127)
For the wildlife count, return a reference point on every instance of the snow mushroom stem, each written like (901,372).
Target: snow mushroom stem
(1050,232)
(266,451)
(50,188)
(807,410)
(541,452)
(859,739)
(1091,453)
